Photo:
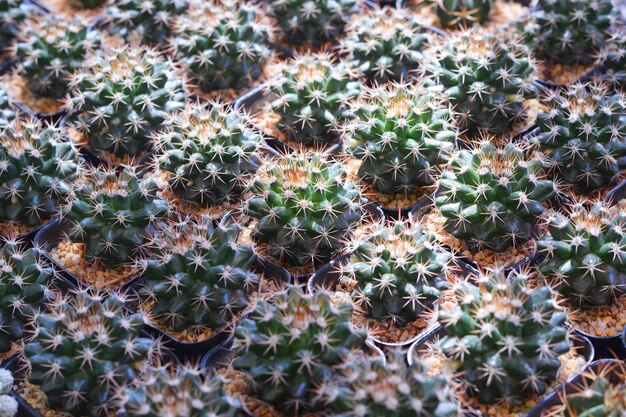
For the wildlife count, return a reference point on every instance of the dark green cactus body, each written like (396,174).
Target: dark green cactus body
(504,337)
(399,272)
(600,393)
(209,151)
(122,97)
(290,349)
(487,76)
(87,4)
(462,13)
(7,108)
(37,168)
(114,214)
(311,97)
(305,207)
(613,57)
(401,134)
(84,348)
(12,14)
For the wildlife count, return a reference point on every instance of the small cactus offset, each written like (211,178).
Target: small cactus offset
(25,279)
(585,255)
(223,44)
(462,13)
(312,21)
(582,134)
(492,196)
(49,49)
(401,134)
(83,348)
(114,213)
(123,96)
(305,207)
(12,14)
(289,349)
(385,44)
(487,76)
(311,97)
(399,273)
(199,277)
(209,152)
(38,166)
(504,337)
(179,391)
(8,404)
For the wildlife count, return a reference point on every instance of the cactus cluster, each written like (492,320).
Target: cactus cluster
(399,273)
(504,337)
(488,77)
(613,57)
(289,349)
(8,110)
(401,134)
(209,152)
(8,404)
(456,14)
(13,13)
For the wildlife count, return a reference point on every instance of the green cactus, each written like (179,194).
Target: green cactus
(37,168)
(385,44)
(290,349)
(114,213)
(209,151)
(305,207)
(49,49)
(123,96)
(504,337)
(462,13)
(399,272)
(401,134)
(87,4)
(83,348)
(223,44)
(582,133)
(8,110)
(488,77)
(584,254)
(613,57)
(492,196)
(600,393)
(13,13)
(311,97)
(8,404)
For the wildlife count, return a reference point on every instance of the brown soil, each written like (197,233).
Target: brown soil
(601,321)
(17,87)
(560,74)
(15,229)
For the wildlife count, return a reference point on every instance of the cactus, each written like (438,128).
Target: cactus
(209,151)
(290,349)
(114,213)
(399,272)
(50,48)
(312,21)
(311,97)
(8,110)
(37,169)
(223,44)
(385,44)
(504,337)
(8,404)
(584,254)
(25,279)
(83,348)
(87,4)
(199,277)
(462,13)
(305,206)
(488,77)
(122,97)
(13,13)
(613,57)
(181,391)
(582,135)
(600,393)
(492,196)
(401,134)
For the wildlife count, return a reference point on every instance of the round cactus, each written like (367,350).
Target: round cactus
(8,404)
(8,110)
(613,57)
(462,13)
(13,13)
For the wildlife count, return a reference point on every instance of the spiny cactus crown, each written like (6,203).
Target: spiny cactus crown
(385,44)
(401,134)
(24,283)
(487,76)
(209,151)
(8,404)
(312,21)
(83,348)
(199,277)
(123,96)
(601,393)
(585,255)
(613,57)
(504,336)
(37,168)
(492,196)
(114,213)
(7,108)
(311,97)
(49,49)
(13,13)
(223,44)
(290,348)
(399,272)
(305,207)
(461,13)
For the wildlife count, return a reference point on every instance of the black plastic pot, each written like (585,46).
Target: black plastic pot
(606,347)
(616,194)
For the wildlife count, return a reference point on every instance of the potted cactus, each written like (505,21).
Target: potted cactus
(613,58)
(8,107)
(13,12)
